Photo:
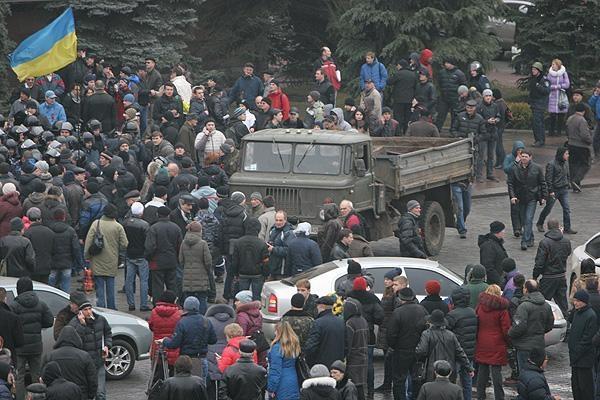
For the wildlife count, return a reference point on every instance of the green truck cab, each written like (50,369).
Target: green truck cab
(300,168)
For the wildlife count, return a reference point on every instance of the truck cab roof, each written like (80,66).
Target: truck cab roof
(307,136)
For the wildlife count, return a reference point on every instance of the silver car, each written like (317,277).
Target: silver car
(590,249)
(504,29)
(131,335)
(276,296)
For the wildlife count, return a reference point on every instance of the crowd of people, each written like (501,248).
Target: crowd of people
(104,168)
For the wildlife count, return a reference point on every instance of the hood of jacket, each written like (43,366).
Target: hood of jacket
(36,198)
(461,297)
(192,238)
(27,299)
(252,308)
(12,198)
(165,310)
(321,385)
(330,211)
(352,308)
(554,234)
(517,144)
(491,302)
(252,227)
(488,236)
(204,191)
(24,179)
(212,169)
(363,296)
(68,337)
(535,298)
(339,113)
(426,54)
(221,312)
(59,227)
(561,71)
(235,210)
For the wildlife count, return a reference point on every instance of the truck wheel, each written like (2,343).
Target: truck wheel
(379,228)
(433,223)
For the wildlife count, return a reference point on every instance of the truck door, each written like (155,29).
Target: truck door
(362,170)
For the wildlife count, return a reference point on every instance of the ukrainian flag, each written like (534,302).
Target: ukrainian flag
(47,50)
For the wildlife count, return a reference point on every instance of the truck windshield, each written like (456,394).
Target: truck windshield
(317,159)
(267,157)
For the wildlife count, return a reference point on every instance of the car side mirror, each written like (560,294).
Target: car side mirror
(360,168)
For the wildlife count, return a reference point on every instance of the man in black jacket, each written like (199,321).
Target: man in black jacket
(449,78)
(101,106)
(11,328)
(539,90)
(582,352)
(526,187)
(403,334)
(441,388)
(17,250)
(57,387)
(551,263)
(42,240)
(184,385)
(169,102)
(233,218)
(404,83)
(411,244)
(558,181)
(35,316)
(76,365)
(532,382)
(248,259)
(324,87)
(492,253)
(66,253)
(161,249)
(136,230)
(244,379)
(325,342)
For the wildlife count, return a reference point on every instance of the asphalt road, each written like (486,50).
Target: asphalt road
(455,255)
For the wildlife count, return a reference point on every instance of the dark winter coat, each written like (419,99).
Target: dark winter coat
(184,386)
(11,330)
(193,334)
(62,319)
(303,254)
(249,317)
(219,315)
(527,184)
(359,247)
(582,353)
(249,252)
(340,251)
(411,243)
(449,81)
(326,91)
(136,230)
(93,335)
(247,88)
(426,95)
(491,255)
(279,238)
(552,254)
(236,131)
(92,208)
(388,303)
(323,345)
(492,335)
(244,380)
(196,259)
(347,389)
(532,320)
(357,341)
(465,125)
(26,182)
(216,176)
(533,384)
(19,254)
(557,173)
(539,90)
(488,111)
(462,320)
(164,104)
(404,330)
(42,240)
(34,315)
(66,251)
(301,322)
(10,207)
(371,309)
(211,232)
(438,343)
(434,302)
(329,232)
(403,84)
(234,217)
(162,244)
(440,389)
(101,106)
(76,365)
(162,322)
(322,388)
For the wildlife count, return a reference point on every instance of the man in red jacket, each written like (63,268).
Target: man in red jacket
(279,99)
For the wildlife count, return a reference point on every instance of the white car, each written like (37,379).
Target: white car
(590,249)
(276,296)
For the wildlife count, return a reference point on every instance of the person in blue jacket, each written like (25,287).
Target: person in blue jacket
(247,86)
(595,105)
(374,70)
(282,382)
(509,161)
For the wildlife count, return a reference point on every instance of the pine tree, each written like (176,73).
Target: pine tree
(563,29)
(394,28)
(5,45)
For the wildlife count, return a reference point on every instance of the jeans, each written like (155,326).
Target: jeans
(402,367)
(105,291)
(179,279)
(500,153)
(515,218)
(462,200)
(582,383)
(526,213)
(580,162)
(562,195)
(539,131)
(61,279)
(465,380)
(254,281)
(482,377)
(486,150)
(137,266)
(370,368)
(101,391)
(555,289)
(522,356)
(35,366)
(160,279)
(201,296)
(228,285)
(388,367)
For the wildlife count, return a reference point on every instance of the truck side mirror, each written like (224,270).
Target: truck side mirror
(359,167)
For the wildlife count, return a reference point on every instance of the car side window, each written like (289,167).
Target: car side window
(593,248)
(417,278)
(54,301)
(376,273)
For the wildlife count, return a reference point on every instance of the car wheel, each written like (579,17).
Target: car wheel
(433,223)
(120,360)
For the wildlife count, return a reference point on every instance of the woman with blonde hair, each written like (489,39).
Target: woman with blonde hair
(282,378)
(492,339)
(558,102)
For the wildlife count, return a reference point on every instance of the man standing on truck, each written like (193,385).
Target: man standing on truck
(470,122)
(411,243)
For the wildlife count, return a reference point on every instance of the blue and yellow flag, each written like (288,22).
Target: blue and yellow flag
(47,50)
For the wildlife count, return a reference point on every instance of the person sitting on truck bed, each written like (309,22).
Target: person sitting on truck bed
(423,127)
(411,244)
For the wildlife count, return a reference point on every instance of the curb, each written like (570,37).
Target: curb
(502,191)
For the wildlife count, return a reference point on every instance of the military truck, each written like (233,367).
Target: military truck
(300,168)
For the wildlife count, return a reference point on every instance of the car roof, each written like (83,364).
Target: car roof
(306,136)
(11,283)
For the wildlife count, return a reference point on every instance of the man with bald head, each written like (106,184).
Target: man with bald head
(350,219)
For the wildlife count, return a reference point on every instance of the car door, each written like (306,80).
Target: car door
(377,273)
(418,276)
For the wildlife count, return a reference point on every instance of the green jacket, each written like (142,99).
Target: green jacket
(115,239)
(196,259)
(475,286)
(533,319)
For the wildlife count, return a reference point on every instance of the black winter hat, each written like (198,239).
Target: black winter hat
(24,284)
(77,298)
(247,346)
(406,294)
(508,264)
(163,211)
(497,227)
(339,365)
(537,356)
(354,268)
(478,271)
(51,372)
(298,300)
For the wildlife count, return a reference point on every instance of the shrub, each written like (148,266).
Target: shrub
(521,116)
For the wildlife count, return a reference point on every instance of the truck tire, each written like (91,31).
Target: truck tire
(379,228)
(433,223)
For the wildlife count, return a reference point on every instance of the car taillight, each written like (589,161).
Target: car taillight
(272,306)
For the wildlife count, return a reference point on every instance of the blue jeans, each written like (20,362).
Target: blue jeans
(562,196)
(256,282)
(526,213)
(462,200)
(179,279)
(137,266)
(539,131)
(370,368)
(201,296)
(101,391)
(522,357)
(465,380)
(105,291)
(61,279)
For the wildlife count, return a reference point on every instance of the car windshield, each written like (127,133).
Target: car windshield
(318,159)
(267,157)
(309,274)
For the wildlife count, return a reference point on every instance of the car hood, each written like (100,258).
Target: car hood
(114,317)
